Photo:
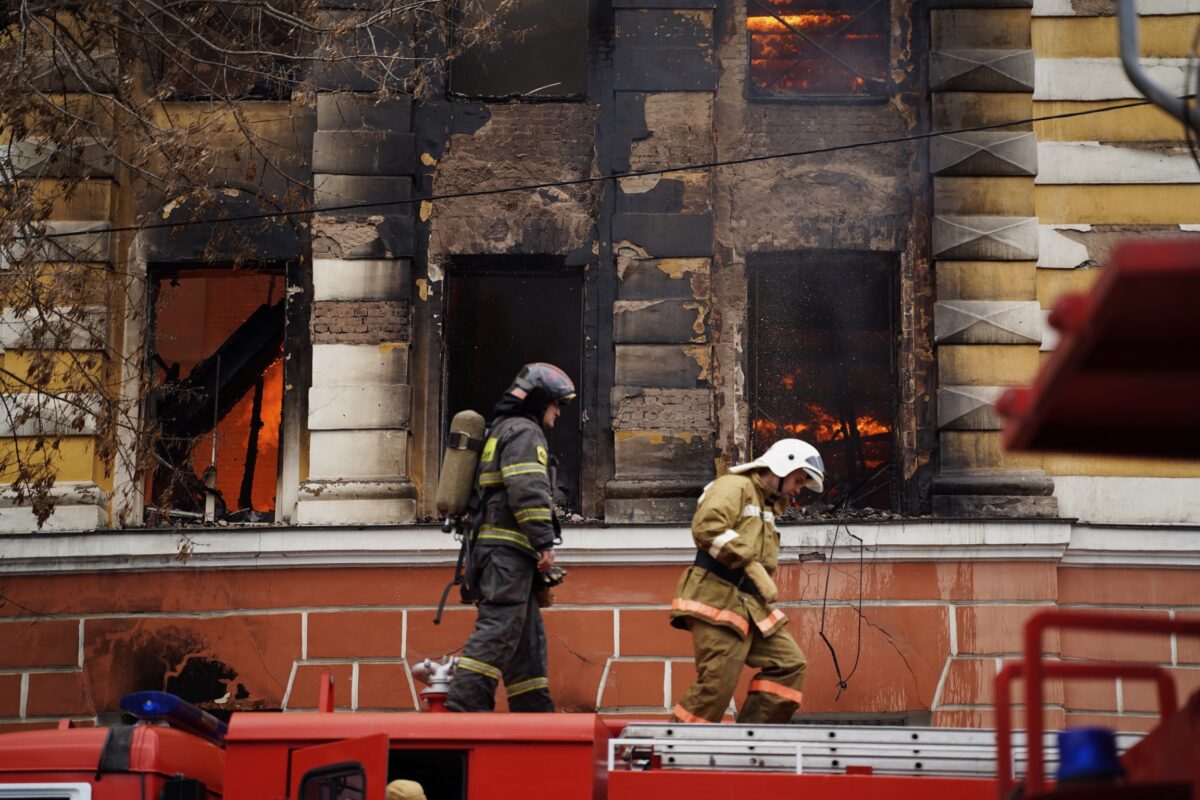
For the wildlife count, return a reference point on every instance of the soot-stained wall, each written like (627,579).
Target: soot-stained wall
(664,255)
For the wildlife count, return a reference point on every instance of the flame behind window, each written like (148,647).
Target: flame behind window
(820,47)
(822,366)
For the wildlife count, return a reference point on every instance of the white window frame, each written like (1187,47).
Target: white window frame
(72,791)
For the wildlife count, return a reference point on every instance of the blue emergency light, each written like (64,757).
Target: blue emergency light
(176,712)
(1088,754)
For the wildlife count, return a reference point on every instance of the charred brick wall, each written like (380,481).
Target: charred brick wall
(665,78)
(370,322)
(516,144)
(666,410)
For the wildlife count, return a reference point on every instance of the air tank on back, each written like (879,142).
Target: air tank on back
(457,479)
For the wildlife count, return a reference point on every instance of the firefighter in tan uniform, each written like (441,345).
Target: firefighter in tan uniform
(513,543)
(725,599)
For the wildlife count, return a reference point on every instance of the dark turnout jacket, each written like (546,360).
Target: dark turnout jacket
(514,486)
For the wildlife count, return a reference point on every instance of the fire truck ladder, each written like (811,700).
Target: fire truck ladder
(814,749)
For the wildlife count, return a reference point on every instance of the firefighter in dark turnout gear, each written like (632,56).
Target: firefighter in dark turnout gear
(514,542)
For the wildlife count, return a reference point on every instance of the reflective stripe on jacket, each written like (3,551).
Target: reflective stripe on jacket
(513,480)
(734,525)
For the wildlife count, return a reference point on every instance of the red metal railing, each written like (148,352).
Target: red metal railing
(1167,703)
(1034,670)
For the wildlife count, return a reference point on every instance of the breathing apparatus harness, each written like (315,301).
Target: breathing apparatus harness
(466,524)
(458,525)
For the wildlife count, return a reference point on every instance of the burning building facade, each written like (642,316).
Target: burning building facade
(874,301)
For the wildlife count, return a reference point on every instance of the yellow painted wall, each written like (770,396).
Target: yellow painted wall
(985,196)
(71,371)
(986,280)
(1052,284)
(1096,37)
(1132,204)
(87,200)
(982,450)
(1142,123)
(71,456)
(987,364)
(1065,464)
(1154,205)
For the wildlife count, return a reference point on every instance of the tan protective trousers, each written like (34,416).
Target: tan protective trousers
(775,692)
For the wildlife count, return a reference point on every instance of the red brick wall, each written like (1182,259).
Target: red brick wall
(932,639)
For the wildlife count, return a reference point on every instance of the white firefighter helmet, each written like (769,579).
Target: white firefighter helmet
(785,457)
(405,790)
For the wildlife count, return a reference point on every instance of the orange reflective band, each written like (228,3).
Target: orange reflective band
(683,715)
(715,614)
(771,620)
(778,689)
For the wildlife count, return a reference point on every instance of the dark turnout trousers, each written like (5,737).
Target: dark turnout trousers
(775,692)
(509,641)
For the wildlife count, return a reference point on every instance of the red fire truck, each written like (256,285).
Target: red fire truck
(179,752)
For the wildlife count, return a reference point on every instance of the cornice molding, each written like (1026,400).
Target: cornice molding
(1059,541)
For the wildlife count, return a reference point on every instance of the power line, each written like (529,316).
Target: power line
(527,187)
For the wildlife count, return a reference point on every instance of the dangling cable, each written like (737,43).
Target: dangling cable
(842,680)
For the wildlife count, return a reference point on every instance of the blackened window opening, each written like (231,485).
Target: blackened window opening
(217,357)
(818,48)
(542,54)
(503,312)
(822,365)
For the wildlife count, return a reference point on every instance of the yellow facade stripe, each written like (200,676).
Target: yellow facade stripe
(985,450)
(98,110)
(1052,284)
(270,120)
(987,364)
(86,200)
(1133,204)
(986,280)
(1096,37)
(966,109)
(74,371)
(71,459)
(982,450)
(93,281)
(1111,466)
(1005,197)
(1138,124)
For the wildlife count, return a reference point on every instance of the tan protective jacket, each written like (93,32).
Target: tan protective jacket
(735,523)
